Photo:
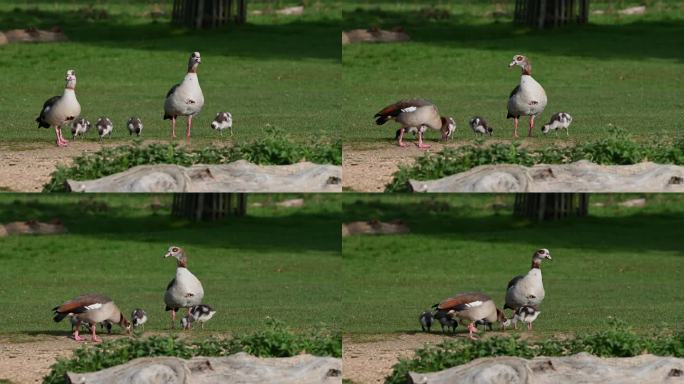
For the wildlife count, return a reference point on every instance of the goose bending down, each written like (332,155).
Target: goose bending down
(222,121)
(199,313)
(416,114)
(104,127)
(80,126)
(92,309)
(528,289)
(185,290)
(134,125)
(139,318)
(59,110)
(528,98)
(480,126)
(186,98)
(527,314)
(475,307)
(425,320)
(560,120)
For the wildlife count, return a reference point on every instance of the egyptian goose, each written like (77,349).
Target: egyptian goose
(528,289)
(526,99)
(186,98)
(527,314)
(134,125)
(139,318)
(560,120)
(446,321)
(480,126)
(91,308)
(416,114)
(61,109)
(185,290)
(425,320)
(471,306)
(79,127)
(201,313)
(222,121)
(104,127)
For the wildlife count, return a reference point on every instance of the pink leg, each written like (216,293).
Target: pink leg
(173,126)
(420,140)
(61,137)
(173,318)
(76,336)
(472,329)
(187,133)
(529,133)
(401,137)
(529,326)
(515,132)
(93,336)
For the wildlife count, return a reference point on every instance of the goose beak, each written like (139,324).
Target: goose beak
(512,64)
(548,256)
(167,255)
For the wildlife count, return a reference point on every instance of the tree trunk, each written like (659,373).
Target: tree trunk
(208,206)
(200,14)
(542,14)
(551,206)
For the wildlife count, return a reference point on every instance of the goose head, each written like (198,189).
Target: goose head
(522,62)
(538,256)
(70,79)
(194,62)
(448,127)
(178,254)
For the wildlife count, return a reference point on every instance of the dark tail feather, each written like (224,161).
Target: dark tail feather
(59,316)
(41,123)
(508,116)
(167,116)
(381,119)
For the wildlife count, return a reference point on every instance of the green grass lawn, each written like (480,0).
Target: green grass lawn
(276,70)
(275,262)
(623,71)
(620,262)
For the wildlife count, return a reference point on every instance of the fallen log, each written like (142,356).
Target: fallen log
(239,368)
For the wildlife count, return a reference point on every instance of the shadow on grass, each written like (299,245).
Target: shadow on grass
(631,233)
(297,232)
(634,41)
(293,41)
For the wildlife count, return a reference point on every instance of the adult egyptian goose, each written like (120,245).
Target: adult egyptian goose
(560,120)
(480,126)
(186,98)
(134,125)
(528,98)
(91,308)
(79,127)
(528,289)
(58,110)
(185,290)
(222,121)
(104,127)
(416,114)
(527,314)
(471,306)
(139,318)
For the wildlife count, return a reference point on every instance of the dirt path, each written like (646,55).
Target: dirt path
(369,362)
(27,168)
(28,362)
(368,169)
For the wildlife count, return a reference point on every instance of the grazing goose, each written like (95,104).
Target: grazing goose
(446,321)
(79,127)
(528,289)
(471,306)
(185,290)
(480,126)
(201,313)
(104,127)
(527,314)
(222,121)
(560,120)
(91,308)
(139,318)
(416,114)
(134,125)
(186,98)
(528,98)
(61,109)
(425,319)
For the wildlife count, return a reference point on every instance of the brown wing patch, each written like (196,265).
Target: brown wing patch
(459,301)
(82,301)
